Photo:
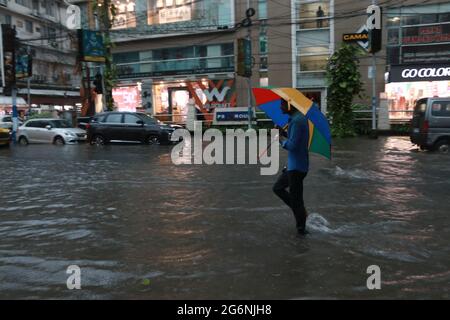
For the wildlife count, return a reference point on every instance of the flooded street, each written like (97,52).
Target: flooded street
(141,228)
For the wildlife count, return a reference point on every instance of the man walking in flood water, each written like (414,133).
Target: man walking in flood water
(296,143)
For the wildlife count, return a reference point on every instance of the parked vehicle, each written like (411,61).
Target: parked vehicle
(430,126)
(128,127)
(49,131)
(6,122)
(5,137)
(82,122)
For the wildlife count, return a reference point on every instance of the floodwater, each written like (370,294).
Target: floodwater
(141,228)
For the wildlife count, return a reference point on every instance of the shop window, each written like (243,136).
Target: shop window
(201,12)
(393,36)
(393,55)
(444,17)
(126,57)
(410,20)
(393,21)
(313,63)
(313,15)
(429,18)
(126,15)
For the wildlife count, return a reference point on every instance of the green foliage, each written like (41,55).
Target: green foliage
(344,83)
(43,115)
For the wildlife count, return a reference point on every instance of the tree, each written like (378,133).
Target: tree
(344,83)
(106,13)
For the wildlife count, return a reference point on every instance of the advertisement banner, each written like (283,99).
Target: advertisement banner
(426,72)
(127,98)
(91,46)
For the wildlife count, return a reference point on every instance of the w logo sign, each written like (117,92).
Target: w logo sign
(215,93)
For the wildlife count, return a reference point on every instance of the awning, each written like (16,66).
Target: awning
(7,102)
(57,93)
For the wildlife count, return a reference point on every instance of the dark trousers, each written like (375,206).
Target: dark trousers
(294,197)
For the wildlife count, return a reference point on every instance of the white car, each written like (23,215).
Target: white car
(49,131)
(6,122)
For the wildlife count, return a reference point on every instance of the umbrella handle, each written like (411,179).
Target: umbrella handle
(270,144)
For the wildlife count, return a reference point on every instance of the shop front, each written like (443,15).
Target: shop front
(170,100)
(408,83)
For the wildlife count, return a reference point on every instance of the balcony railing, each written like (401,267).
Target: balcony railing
(176,66)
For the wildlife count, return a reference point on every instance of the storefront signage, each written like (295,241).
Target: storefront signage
(354,37)
(429,34)
(91,46)
(407,73)
(361,37)
(213,95)
(171,15)
(127,98)
(231,116)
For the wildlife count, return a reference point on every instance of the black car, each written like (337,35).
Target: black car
(129,127)
(82,122)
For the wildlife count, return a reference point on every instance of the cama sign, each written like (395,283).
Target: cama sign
(407,73)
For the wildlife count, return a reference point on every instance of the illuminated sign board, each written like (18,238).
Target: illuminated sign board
(432,72)
(127,98)
(354,37)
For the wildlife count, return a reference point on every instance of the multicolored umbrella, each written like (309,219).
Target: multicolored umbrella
(269,101)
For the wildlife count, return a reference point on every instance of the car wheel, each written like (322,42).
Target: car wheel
(98,140)
(59,141)
(23,141)
(442,146)
(151,140)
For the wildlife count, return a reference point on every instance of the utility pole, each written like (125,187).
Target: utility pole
(101,68)
(374,27)
(247,22)
(29,83)
(249,81)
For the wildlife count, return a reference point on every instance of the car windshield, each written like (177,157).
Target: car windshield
(149,119)
(60,124)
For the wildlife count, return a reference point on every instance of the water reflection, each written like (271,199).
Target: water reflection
(126,214)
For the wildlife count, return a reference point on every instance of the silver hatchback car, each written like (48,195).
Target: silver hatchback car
(49,131)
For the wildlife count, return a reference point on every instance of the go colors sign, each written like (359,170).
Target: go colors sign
(407,73)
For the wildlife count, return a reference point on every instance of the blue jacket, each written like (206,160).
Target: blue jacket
(297,143)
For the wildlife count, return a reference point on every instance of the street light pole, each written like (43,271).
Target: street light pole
(249,81)
(249,13)
(101,69)
(374,92)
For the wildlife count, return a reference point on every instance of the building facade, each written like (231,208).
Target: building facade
(171,53)
(415,37)
(41,30)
